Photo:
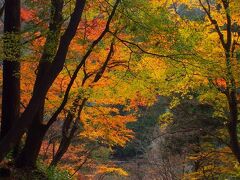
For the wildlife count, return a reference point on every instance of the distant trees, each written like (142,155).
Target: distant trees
(145,128)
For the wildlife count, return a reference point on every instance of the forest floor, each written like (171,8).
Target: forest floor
(9,172)
(136,169)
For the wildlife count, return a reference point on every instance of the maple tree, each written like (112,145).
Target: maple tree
(210,73)
(221,72)
(37,130)
(43,86)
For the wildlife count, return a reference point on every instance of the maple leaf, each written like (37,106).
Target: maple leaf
(27,14)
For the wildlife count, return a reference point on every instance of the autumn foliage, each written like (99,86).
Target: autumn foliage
(101,81)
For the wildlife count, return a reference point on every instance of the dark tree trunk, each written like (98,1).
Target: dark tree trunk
(232,90)
(36,133)
(67,133)
(65,142)
(232,124)
(29,154)
(11,67)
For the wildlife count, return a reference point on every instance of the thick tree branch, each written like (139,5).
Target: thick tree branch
(74,76)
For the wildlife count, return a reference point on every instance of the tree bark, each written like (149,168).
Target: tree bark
(232,90)
(28,156)
(68,132)
(63,147)
(36,133)
(11,67)
(232,125)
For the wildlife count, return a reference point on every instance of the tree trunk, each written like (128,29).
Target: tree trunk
(36,133)
(29,154)
(65,142)
(11,68)
(67,135)
(232,125)
(68,132)
(232,100)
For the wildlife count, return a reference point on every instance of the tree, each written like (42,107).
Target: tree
(24,158)
(212,66)
(29,153)
(45,83)
(11,67)
(228,43)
